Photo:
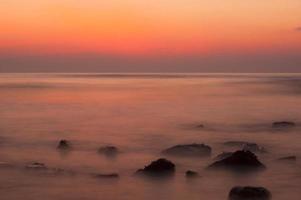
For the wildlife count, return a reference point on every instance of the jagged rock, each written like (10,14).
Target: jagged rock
(288,158)
(64,145)
(191,174)
(239,160)
(194,150)
(249,193)
(112,175)
(108,150)
(161,167)
(283,124)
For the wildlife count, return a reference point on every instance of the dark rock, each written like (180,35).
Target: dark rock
(283,124)
(249,193)
(223,155)
(64,145)
(159,167)
(194,150)
(112,175)
(36,166)
(288,158)
(191,174)
(239,160)
(108,150)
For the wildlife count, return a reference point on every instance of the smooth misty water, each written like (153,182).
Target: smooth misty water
(141,115)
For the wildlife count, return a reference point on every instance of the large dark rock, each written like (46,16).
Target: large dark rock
(239,160)
(283,124)
(160,167)
(194,150)
(108,150)
(64,145)
(249,193)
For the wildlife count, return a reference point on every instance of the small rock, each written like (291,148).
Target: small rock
(112,175)
(239,160)
(193,150)
(249,193)
(200,126)
(283,124)
(64,145)
(288,158)
(108,150)
(36,166)
(161,167)
(191,174)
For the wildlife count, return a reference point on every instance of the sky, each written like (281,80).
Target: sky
(150,36)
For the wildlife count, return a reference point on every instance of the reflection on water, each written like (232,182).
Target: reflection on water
(141,115)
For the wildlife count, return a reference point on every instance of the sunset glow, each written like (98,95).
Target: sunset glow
(136,28)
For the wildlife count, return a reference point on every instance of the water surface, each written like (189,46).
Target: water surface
(142,114)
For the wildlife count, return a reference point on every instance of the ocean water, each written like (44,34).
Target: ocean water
(142,114)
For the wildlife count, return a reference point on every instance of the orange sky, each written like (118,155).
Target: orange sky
(149,27)
(141,28)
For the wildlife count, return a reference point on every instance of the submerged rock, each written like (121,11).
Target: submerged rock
(112,175)
(64,145)
(283,124)
(249,193)
(239,160)
(108,150)
(288,158)
(194,150)
(36,166)
(160,167)
(200,126)
(191,174)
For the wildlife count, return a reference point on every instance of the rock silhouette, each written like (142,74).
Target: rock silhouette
(108,150)
(193,150)
(64,145)
(239,160)
(112,175)
(283,124)
(249,193)
(191,174)
(160,167)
